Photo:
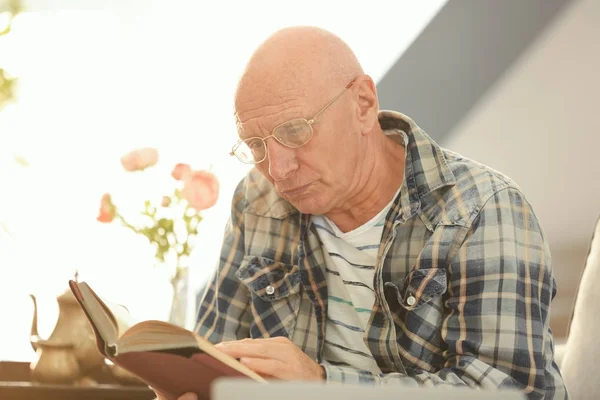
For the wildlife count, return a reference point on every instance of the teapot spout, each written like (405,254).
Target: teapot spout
(34,338)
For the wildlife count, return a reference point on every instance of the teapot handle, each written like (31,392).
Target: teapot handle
(34,338)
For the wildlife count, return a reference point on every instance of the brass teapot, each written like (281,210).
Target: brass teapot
(70,351)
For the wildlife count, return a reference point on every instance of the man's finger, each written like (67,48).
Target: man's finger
(274,369)
(258,348)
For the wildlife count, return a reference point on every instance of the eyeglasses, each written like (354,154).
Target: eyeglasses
(292,134)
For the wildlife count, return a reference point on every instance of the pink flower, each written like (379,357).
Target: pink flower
(140,159)
(201,190)
(181,171)
(107,209)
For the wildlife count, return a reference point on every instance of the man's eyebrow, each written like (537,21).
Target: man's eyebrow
(240,129)
(242,133)
(285,116)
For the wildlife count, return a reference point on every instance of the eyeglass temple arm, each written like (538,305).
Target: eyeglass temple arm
(312,120)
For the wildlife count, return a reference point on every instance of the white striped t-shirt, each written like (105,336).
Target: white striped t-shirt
(350,271)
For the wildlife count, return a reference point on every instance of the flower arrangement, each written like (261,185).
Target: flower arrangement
(169,223)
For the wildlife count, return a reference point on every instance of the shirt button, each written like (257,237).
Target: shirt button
(270,289)
(411,300)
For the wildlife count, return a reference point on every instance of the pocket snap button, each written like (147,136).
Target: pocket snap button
(270,290)
(410,300)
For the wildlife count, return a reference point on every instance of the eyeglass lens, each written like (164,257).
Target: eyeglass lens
(292,134)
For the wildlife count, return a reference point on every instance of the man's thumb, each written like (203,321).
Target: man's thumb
(188,396)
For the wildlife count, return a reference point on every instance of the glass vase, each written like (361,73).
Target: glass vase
(180,284)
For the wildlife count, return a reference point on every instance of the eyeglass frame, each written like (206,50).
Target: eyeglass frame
(309,122)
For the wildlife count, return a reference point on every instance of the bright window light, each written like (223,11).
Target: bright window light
(97,82)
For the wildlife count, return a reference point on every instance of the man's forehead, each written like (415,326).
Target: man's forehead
(257,124)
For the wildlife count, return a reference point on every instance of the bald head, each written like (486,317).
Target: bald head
(298,58)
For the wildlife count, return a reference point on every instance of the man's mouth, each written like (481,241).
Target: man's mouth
(295,191)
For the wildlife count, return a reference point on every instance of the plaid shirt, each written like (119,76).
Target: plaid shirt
(463,281)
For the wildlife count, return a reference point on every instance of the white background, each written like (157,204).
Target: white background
(97,82)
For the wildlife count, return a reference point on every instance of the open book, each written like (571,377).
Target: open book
(169,358)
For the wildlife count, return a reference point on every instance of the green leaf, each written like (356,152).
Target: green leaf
(6,88)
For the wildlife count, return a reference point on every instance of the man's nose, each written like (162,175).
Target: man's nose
(282,160)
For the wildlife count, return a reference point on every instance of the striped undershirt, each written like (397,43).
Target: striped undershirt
(350,269)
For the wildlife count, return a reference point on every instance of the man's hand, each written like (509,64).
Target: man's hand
(272,358)
(275,358)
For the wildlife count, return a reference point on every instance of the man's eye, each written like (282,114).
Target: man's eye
(255,145)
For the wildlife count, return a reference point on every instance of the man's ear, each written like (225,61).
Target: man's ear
(368,104)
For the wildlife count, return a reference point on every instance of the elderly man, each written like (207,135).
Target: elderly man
(359,251)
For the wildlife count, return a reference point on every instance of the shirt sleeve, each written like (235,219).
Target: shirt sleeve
(496,318)
(223,312)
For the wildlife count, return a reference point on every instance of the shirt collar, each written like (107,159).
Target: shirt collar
(424,156)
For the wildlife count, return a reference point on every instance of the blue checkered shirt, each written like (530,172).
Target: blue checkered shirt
(463,281)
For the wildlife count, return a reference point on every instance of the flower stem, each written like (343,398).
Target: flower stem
(127,224)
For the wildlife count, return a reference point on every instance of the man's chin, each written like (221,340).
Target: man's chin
(308,205)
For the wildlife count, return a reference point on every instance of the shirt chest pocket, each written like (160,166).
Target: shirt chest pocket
(274,290)
(420,287)
(418,314)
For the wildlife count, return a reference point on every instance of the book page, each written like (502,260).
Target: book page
(155,335)
(100,314)
(122,316)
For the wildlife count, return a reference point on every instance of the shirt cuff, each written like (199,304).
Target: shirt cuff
(335,374)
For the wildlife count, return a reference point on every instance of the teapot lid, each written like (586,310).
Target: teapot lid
(67,296)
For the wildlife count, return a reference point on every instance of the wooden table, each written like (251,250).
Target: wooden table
(15,384)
